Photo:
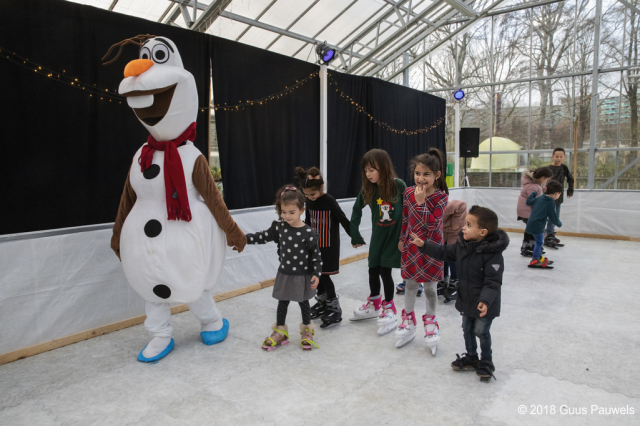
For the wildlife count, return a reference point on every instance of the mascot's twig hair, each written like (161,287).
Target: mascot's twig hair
(137,40)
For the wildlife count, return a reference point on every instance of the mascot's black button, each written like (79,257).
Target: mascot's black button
(175,194)
(151,172)
(162,291)
(152,229)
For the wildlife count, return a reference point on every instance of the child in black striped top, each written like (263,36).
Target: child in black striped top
(324,215)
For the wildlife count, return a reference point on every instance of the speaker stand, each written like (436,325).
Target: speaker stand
(466,178)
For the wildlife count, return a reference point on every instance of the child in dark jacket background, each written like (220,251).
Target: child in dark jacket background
(532,181)
(543,207)
(478,256)
(560,172)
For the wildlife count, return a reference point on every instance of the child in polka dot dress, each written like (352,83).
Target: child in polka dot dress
(300,265)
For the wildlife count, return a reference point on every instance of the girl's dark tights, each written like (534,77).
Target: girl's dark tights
(374,282)
(283,306)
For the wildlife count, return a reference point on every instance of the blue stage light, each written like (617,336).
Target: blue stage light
(329,55)
(325,53)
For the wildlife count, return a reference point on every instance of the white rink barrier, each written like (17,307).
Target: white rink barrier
(63,282)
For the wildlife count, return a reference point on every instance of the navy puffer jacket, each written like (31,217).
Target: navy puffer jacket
(480,267)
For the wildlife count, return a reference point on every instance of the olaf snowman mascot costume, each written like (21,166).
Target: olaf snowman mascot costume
(171,223)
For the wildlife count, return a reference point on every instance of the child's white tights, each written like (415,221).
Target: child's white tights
(430,292)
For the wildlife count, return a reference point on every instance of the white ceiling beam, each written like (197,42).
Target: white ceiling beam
(462,8)
(373,25)
(167,10)
(459,30)
(412,42)
(335,18)
(410,24)
(265,10)
(295,21)
(185,15)
(630,6)
(291,34)
(210,14)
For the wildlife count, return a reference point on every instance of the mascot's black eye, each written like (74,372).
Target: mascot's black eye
(145,53)
(160,53)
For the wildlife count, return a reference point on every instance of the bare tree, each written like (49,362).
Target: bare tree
(631,84)
(552,27)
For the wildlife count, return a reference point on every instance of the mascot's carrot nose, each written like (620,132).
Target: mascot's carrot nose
(137,67)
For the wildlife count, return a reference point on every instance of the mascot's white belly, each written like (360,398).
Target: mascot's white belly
(170,260)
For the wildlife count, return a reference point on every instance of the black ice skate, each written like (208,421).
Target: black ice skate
(556,239)
(527,248)
(485,370)
(333,314)
(319,308)
(451,292)
(466,363)
(442,285)
(552,243)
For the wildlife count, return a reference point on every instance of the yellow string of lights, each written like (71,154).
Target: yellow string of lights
(61,77)
(94,91)
(261,101)
(382,124)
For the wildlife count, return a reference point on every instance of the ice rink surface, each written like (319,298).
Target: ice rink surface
(565,349)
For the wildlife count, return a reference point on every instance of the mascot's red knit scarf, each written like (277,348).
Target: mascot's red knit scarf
(177,208)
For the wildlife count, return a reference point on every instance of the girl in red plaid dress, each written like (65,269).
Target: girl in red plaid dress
(422,213)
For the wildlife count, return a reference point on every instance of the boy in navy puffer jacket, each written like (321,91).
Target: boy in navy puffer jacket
(478,257)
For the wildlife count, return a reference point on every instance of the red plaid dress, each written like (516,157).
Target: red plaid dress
(426,222)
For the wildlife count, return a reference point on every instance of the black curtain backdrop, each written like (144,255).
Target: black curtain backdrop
(262,144)
(351,133)
(65,156)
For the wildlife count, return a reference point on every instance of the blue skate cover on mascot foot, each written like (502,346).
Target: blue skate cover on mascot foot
(212,337)
(158,357)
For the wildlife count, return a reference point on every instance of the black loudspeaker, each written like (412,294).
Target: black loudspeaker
(469,142)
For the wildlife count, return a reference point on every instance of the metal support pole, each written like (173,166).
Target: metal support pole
(457,118)
(323,126)
(493,104)
(456,158)
(593,131)
(405,74)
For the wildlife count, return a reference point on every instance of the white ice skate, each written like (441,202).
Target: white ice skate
(432,332)
(371,309)
(406,331)
(388,319)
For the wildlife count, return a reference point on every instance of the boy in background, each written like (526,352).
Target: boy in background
(560,172)
(480,265)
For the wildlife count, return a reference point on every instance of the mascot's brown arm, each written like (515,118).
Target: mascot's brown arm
(206,186)
(127,201)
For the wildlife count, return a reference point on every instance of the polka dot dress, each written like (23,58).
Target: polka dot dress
(299,259)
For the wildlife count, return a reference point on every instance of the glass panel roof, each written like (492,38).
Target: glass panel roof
(370,34)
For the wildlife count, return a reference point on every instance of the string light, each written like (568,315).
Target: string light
(60,77)
(382,124)
(55,76)
(261,101)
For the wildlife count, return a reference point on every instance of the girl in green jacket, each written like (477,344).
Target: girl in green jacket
(382,191)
